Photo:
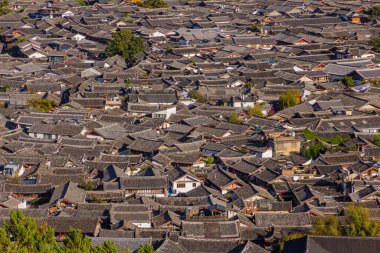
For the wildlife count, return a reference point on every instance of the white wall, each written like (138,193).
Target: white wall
(188,181)
(37,55)
(241,104)
(167,112)
(38,136)
(78,37)
(142,224)
(267,154)
(22,205)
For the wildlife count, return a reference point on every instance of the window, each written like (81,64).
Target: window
(294,144)
(161,116)
(194,184)
(181,185)
(280,145)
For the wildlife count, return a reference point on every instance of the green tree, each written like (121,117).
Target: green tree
(209,159)
(194,94)
(74,241)
(348,81)
(41,104)
(255,26)
(234,118)
(153,4)
(126,250)
(376,140)
(14,180)
(124,43)
(290,98)
(337,140)
(374,11)
(257,111)
(5,241)
(169,47)
(289,238)
(244,149)
(329,226)
(106,247)
(374,82)
(248,85)
(314,150)
(96,199)
(358,222)
(81,2)
(5,88)
(4,7)
(87,185)
(146,248)
(375,43)
(24,234)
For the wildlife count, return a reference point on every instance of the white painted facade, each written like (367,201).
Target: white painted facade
(142,224)
(67,14)
(185,184)
(78,37)
(14,169)
(165,113)
(243,104)
(22,205)
(50,136)
(266,154)
(156,34)
(190,55)
(36,55)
